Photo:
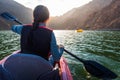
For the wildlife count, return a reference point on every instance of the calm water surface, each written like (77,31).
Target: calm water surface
(100,46)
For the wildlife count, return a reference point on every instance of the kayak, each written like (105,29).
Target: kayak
(79,30)
(20,66)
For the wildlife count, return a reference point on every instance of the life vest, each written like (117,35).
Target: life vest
(41,38)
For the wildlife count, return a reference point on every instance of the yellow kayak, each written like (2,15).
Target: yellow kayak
(79,30)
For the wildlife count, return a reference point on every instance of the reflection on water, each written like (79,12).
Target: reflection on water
(9,42)
(101,46)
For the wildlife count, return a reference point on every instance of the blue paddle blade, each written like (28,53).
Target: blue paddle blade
(7,16)
(10,17)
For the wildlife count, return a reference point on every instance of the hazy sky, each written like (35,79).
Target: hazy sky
(56,7)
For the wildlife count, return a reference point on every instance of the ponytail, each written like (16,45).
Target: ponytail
(35,25)
(30,36)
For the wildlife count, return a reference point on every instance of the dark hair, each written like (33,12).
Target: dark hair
(40,14)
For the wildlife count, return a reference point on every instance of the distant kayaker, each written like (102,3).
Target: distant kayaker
(37,38)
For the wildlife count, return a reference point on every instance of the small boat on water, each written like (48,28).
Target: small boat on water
(79,30)
(32,67)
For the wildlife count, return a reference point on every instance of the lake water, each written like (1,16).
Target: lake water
(100,46)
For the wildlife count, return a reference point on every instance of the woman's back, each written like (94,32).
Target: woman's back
(38,43)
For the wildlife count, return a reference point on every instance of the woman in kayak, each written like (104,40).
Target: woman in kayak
(37,38)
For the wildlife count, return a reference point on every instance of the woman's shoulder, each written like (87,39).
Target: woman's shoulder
(27,25)
(44,27)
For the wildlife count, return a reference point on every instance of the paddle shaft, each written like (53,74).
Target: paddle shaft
(81,60)
(18,22)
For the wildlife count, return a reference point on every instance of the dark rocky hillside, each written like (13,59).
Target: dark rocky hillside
(21,12)
(105,19)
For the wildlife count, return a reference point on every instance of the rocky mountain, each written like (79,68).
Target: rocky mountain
(23,13)
(105,19)
(76,17)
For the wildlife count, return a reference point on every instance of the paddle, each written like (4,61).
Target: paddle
(10,17)
(94,68)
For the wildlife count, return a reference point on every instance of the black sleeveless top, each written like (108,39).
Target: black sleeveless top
(41,38)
